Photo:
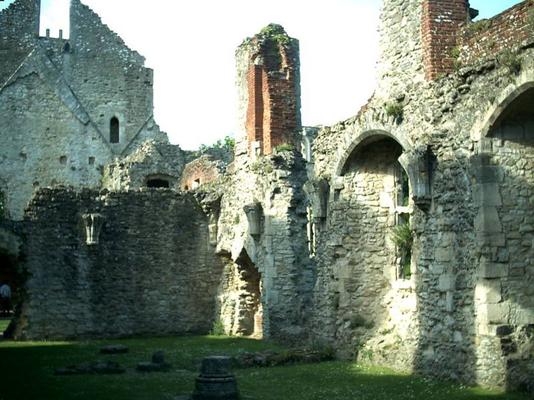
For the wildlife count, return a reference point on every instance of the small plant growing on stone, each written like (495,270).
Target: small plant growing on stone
(284,147)
(218,329)
(510,60)
(479,26)
(395,110)
(275,32)
(402,237)
(261,165)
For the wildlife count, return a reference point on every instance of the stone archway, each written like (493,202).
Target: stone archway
(371,196)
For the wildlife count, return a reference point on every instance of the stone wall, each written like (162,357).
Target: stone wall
(44,145)
(82,84)
(262,220)
(145,276)
(118,85)
(152,163)
(19,29)
(463,314)
(401,50)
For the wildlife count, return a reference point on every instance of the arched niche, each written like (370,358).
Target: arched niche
(513,120)
(363,140)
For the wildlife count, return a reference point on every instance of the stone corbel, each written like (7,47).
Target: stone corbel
(418,165)
(254,216)
(93,225)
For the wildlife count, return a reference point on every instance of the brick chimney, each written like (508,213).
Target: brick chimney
(440,25)
(273,89)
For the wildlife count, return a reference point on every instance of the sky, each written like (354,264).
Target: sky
(190,44)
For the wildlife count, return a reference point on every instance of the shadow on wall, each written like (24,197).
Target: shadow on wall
(480,320)
(507,251)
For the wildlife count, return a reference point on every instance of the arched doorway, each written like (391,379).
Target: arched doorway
(371,200)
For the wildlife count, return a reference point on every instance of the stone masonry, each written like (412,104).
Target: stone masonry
(85,84)
(125,281)
(296,239)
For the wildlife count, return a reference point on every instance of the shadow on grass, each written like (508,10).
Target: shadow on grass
(27,371)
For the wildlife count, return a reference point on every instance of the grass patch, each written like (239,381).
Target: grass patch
(3,325)
(27,373)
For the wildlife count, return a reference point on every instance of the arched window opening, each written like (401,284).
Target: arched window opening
(66,48)
(157,183)
(114,130)
(514,124)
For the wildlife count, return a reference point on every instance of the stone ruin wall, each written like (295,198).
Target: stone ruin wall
(64,138)
(201,171)
(151,161)
(44,155)
(145,276)
(466,313)
(262,220)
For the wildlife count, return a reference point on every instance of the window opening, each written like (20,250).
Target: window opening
(402,232)
(311,232)
(114,130)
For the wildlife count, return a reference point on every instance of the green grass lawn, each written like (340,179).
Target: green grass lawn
(26,372)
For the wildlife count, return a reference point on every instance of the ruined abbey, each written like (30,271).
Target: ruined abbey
(403,235)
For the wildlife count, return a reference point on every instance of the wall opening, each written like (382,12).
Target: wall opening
(240,295)
(114,126)
(158,183)
(373,200)
(250,314)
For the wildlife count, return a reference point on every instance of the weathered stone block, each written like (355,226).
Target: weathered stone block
(489,270)
(487,194)
(444,254)
(446,282)
(487,220)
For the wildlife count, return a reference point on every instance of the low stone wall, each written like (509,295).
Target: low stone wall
(152,272)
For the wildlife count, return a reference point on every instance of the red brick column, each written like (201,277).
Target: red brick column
(440,25)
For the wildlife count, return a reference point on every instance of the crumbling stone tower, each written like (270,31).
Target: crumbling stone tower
(269,89)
